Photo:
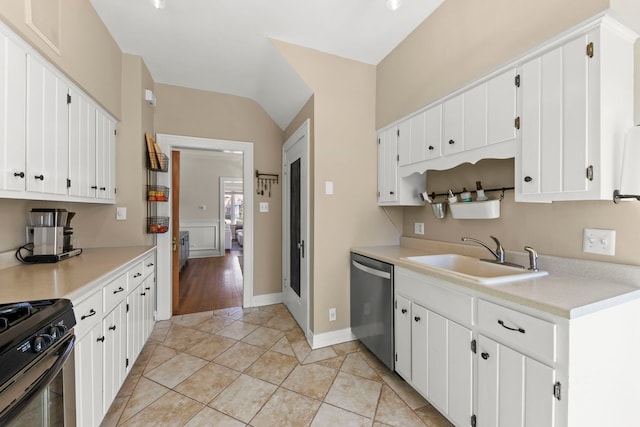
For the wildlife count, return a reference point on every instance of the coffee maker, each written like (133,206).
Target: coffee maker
(49,232)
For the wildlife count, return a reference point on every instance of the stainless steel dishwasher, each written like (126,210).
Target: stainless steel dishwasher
(372,306)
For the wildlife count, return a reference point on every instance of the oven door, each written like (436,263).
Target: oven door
(36,395)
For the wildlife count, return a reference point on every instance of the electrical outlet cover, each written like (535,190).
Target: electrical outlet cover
(599,241)
(418,228)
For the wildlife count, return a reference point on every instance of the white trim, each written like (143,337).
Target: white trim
(267,299)
(330,338)
(168,143)
(223,226)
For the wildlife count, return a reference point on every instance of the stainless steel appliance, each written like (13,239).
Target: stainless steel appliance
(36,379)
(48,236)
(372,306)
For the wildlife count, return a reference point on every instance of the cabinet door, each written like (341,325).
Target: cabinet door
(388,166)
(433,132)
(501,107)
(88,354)
(411,140)
(437,361)
(419,348)
(452,124)
(135,322)
(475,117)
(515,391)
(82,146)
(115,354)
(13,68)
(105,156)
(403,337)
(148,305)
(460,374)
(47,129)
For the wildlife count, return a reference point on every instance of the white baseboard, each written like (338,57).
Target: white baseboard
(330,338)
(267,299)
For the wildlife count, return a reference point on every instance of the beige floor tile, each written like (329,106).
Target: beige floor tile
(145,393)
(172,409)
(159,335)
(272,367)
(355,364)
(162,324)
(311,380)
(240,356)
(115,411)
(342,393)
(214,324)
(283,346)
(295,334)
(226,312)
(207,383)
(275,308)
(130,381)
(393,411)
(319,354)
(333,363)
(378,424)
(175,370)
(193,320)
(160,355)
(237,330)
(373,361)
(301,349)
(330,416)
(181,338)
(431,417)
(346,347)
(211,347)
(282,322)
(208,417)
(243,398)
(264,337)
(411,397)
(258,317)
(286,409)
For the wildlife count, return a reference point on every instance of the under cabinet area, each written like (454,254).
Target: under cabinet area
(113,324)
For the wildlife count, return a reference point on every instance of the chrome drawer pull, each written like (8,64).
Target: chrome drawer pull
(501,323)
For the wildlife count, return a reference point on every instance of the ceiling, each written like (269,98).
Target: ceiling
(223,45)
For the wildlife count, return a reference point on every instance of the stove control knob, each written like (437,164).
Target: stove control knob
(57,331)
(41,343)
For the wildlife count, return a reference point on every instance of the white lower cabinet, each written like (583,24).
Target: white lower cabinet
(112,327)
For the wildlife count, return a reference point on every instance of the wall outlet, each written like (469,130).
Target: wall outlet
(264,207)
(599,241)
(332,314)
(121,214)
(418,228)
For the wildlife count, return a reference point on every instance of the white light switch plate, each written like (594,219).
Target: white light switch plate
(599,241)
(328,188)
(121,214)
(264,207)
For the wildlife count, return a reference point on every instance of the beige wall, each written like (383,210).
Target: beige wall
(344,153)
(438,58)
(189,112)
(88,53)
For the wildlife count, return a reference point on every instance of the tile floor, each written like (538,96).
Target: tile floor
(253,367)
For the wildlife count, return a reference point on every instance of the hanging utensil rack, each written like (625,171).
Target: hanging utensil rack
(264,182)
(486,190)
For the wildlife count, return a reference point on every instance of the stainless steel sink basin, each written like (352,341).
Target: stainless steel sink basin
(483,272)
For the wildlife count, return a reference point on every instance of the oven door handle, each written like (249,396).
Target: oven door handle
(64,353)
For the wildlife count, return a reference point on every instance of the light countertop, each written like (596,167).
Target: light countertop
(563,292)
(69,278)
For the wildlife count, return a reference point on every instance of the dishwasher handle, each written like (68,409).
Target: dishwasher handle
(370,270)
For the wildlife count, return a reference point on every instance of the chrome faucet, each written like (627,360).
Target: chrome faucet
(498,253)
(533,258)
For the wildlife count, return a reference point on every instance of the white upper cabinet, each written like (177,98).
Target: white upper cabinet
(453,125)
(47,129)
(577,103)
(475,118)
(411,140)
(13,67)
(82,146)
(502,114)
(433,132)
(105,156)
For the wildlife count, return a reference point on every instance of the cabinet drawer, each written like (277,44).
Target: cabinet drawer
(534,336)
(149,265)
(88,313)
(114,292)
(135,276)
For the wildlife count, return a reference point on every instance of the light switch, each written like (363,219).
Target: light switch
(121,214)
(264,207)
(328,188)
(599,241)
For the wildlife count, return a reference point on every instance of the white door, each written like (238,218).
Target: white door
(295,240)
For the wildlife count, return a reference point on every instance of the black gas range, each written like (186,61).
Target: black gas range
(36,339)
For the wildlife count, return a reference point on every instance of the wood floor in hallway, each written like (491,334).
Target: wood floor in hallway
(211,284)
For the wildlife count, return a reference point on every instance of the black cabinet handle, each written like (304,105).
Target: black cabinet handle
(417,318)
(137,275)
(528,179)
(501,323)
(485,356)
(40,177)
(19,174)
(392,192)
(451,142)
(103,188)
(147,289)
(94,187)
(150,265)
(101,339)
(404,311)
(112,328)
(431,147)
(120,289)
(143,294)
(92,312)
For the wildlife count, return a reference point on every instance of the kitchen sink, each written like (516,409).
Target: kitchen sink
(483,272)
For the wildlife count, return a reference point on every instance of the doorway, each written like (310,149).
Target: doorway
(170,143)
(296,247)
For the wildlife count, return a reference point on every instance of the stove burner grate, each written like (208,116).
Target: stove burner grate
(13,314)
